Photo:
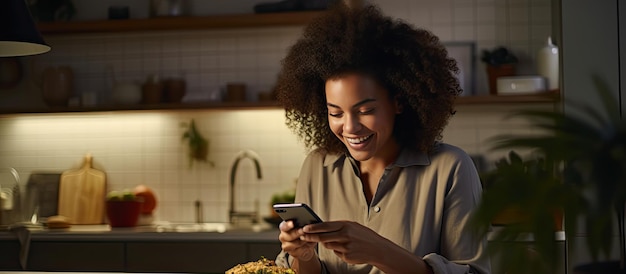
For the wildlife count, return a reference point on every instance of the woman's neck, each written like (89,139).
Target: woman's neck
(381,161)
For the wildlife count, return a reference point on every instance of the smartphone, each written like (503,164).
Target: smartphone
(300,214)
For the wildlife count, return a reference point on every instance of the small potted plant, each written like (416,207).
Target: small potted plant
(500,62)
(286,197)
(513,185)
(123,208)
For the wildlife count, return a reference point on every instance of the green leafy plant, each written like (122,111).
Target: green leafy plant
(523,188)
(586,152)
(286,197)
(498,56)
(522,197)
(198,146)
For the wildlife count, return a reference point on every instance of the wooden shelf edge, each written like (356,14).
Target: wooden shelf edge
(467,100)
(152,107)
(545,97)
(178,23)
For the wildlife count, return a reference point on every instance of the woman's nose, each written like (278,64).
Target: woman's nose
(351,124)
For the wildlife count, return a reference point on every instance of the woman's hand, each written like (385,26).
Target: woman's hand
(357,244)
(352,242)
(292,244)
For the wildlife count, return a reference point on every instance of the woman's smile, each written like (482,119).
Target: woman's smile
(358,140)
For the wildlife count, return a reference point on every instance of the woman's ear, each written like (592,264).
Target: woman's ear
(399,106)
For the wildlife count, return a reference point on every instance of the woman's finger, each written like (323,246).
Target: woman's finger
(291,235)
(323,227)
(323,237)
(286,225)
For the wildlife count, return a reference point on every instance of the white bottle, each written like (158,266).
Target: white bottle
(548,64)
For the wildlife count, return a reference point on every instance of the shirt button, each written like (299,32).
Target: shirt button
(376,209)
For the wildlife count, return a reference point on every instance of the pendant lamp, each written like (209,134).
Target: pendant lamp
(18,34)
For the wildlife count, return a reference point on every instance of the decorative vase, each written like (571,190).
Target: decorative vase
(548,64)
(57,85)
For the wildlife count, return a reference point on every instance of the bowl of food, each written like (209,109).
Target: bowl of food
(261,266)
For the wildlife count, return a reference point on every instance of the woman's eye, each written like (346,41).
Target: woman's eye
(335,114)
(366,111)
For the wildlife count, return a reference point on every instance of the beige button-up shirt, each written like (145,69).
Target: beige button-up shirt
(422,204)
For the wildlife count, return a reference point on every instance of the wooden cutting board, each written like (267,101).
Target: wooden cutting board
(82,194)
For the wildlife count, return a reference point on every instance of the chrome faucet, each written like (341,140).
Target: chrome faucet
(232,213)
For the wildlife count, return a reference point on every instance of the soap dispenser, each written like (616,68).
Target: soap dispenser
(548,64)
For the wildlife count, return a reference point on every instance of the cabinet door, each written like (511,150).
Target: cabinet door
(9,254)
(76,256)
(212,257)
(267,250)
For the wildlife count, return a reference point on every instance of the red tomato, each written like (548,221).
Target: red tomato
(149,198)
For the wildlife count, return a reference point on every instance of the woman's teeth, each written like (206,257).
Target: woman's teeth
(358,140)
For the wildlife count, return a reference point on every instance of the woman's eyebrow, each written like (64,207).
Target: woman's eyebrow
(365,101)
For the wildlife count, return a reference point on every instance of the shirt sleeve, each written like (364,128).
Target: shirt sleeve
(284,260)
(441,265)
(462,250)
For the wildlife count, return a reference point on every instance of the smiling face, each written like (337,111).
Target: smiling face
(361,115)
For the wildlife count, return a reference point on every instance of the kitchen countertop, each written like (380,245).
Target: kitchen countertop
(177,232)
(186,232)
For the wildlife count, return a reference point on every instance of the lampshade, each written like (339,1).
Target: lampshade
(18,34)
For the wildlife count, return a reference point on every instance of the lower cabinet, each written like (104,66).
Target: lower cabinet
(267,250)
(148,256)
(184,257)
(9,255)
(208,257)
(76,256)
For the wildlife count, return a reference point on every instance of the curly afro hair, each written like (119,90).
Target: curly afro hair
(411,64)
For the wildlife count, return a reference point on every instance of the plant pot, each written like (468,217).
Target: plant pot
(123,213)
(495,72)
(509,216)
(175,89)
(57,85)
(152,93)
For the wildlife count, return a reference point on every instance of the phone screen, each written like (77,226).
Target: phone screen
(300,214)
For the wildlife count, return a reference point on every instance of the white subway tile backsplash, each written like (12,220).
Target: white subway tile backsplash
(464,33)
(225,77)
(541,13)
(519,34)
(518,2)
(441,14)
(444,32)
(518,14)
(464,14)
(485,35)
(226,44)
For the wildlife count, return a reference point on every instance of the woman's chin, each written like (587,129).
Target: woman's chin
(360,155)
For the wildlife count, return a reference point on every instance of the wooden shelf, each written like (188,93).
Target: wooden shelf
(547,97)
(149,107)
(469,100)
(180,23)
(221,22)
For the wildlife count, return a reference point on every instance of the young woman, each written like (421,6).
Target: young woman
(370,96)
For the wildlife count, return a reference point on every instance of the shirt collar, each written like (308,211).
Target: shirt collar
(408,157)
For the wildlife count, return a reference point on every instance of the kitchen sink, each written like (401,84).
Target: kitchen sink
(210,227)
